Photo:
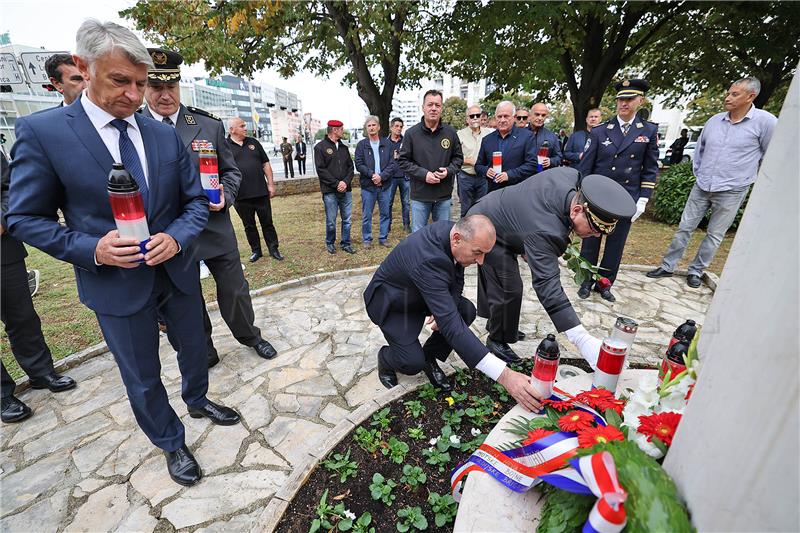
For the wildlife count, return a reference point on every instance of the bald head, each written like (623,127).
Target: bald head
(237,129)
(471,238)
(539,114)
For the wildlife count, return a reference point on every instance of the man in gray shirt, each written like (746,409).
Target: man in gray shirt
(726,162)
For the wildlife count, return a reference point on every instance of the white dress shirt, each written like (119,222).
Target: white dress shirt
(173,117)
(101,120)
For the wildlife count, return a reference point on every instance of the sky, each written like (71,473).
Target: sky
(53,24)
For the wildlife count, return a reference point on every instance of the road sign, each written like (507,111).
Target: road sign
(33,65)
(10,73)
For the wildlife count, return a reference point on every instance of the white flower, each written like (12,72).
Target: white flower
(647,447)
(676,399)
(454,439)
(433,441)
(349,514)
(430,449)
(475,432)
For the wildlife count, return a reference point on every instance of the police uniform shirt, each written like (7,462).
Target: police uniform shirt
(250,158)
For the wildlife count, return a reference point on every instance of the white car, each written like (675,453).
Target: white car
(688,153)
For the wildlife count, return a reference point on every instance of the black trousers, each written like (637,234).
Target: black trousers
(23,327)
(235,305)
(404,353)
(288,168)
(612,255)
(500,294)
(248,208)
(301,165)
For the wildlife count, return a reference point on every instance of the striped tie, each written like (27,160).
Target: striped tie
(130,157)
(167,120)
(625,128)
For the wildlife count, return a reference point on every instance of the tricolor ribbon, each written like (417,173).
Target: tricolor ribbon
(521,468)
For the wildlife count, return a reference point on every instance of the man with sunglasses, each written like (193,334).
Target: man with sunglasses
(522,118)
(471,185)
(536,219)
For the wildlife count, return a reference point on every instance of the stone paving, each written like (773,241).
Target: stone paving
(81,463)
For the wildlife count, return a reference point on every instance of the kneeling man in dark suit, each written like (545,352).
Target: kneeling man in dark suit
(424,277)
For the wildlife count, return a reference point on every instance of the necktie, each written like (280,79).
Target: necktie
(625,128)
(130,157)
(167,120)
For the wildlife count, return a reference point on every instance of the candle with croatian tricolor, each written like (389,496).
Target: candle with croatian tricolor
(127,206)
(209,173)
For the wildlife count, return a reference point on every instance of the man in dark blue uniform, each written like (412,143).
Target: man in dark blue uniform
(626,150)
(424,277)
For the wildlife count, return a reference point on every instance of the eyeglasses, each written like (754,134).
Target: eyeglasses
(477,115)
(522,117)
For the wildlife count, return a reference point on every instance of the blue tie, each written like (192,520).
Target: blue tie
(130,157)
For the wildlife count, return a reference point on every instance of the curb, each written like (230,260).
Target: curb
(71,361)
(709,278)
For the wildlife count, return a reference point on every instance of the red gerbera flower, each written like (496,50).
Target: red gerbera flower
(611,403)
(575,421)
(598,435)
(558,405)
(536,434)
(661,425)
(595,397)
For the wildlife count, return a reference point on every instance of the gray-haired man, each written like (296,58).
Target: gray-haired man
(726,162)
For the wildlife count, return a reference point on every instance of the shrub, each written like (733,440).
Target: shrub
(673,190)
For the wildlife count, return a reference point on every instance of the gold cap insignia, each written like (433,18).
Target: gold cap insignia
(159,58)
(597,223)
(626,83)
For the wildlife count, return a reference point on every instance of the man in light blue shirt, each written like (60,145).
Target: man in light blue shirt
(376,166)
(726,162)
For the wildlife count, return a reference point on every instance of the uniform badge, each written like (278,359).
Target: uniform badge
(190,120)
(639,125)
(329,151)
(445,143)
(606,142)
(610,126)
(626,83)
(201,144)
(159,58)
(642,139)
(251,146)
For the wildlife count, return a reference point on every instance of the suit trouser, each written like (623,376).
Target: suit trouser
(301,165)
(248,208)
(612,255)
(401,330)
(288,168)
(500,294)
(133,340)
(23,327)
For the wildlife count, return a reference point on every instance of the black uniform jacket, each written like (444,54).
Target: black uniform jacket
(420,277)
(334,164)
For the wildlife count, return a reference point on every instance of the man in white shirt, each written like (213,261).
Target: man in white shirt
(471,187)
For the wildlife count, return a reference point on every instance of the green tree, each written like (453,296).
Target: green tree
(384,44)
(454,112)
(489,103)
(552,48)
(728,41)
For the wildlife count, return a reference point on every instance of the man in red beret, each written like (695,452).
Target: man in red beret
(335,171)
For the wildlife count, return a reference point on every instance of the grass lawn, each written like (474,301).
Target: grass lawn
(300,220)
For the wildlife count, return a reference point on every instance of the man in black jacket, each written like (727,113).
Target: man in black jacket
(23,327)
(424,277)
(335,171)
(431,156)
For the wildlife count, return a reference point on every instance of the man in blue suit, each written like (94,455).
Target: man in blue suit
(60,161)
(624,149)
(424,277)
(517,146)
(376,165)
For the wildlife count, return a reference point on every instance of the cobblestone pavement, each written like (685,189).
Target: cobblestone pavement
(81,463)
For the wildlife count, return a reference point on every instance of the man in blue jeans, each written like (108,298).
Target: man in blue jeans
(375,165)
(399,179)
(335,171)
(431,156)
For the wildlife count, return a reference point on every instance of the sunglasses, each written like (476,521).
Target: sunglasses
(475,116)
(522,117)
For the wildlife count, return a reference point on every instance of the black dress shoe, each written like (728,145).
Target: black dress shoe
(659,273)
(521,335)
(14,410)
(349,249)
(275,254)
(386,375)
(436,376)
(331,248)
(183,467)
(213,359)
(54,382)
(218,414)
(264,349)
(693,280)
(502,350)
(255,257)
(605,294)
(585,290)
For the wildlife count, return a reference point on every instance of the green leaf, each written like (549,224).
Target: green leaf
(345,524)
(315,526)
(660,445)
(613,418)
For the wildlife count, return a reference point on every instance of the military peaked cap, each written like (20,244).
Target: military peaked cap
(605,202)
(167,65)
(630,88)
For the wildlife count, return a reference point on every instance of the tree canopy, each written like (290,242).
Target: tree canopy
(454,112)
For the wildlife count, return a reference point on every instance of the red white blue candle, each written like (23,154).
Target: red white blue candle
(127,206)
(209,174)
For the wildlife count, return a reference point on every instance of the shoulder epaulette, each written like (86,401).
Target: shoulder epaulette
(198,111)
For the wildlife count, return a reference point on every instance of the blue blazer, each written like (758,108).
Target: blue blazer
(519,156)
(574,147)
(365,163)
(60,162)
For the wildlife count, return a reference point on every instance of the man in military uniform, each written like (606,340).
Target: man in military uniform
(286,153)
(626,150)
(217,244)
(535,218)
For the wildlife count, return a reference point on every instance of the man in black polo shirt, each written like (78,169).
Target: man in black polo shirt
(254,191)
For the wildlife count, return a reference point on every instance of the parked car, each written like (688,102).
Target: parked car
(688,153)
